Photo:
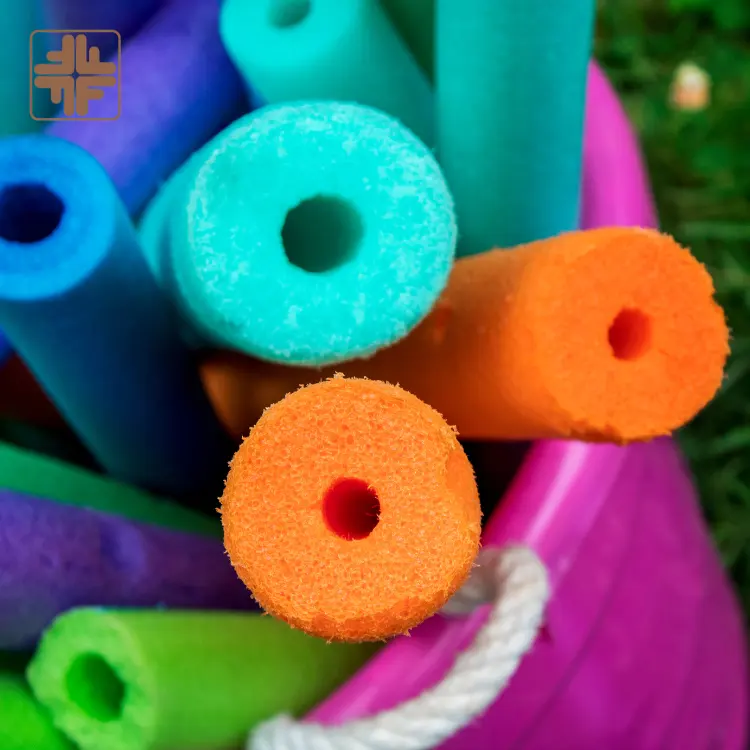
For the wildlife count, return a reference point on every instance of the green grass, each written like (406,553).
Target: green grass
(700,168)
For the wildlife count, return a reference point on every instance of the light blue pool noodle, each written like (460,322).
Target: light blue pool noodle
(511,90)
(370,251)
(346,50)
(81,308)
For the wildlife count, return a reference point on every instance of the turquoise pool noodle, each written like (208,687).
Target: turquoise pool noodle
(19,19)
(290,50)
(511,89)
(310,234)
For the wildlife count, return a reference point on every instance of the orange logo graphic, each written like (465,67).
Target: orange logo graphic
(75,76)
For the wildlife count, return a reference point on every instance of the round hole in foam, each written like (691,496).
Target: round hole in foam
(284,14)
(29,213)
(630,334)
(95,687)
(351,509)
(321,233)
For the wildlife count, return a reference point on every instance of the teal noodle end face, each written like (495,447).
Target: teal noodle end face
(313,233)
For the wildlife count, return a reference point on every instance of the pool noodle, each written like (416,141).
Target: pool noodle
(160,680)
(510,88)
(367,489)
(588,336)
(84,312)
(57,443)
(30,473)
(24,724)
(235,278)
(344,51)
(415,21)
(20,19)
(54,557)
(178,89)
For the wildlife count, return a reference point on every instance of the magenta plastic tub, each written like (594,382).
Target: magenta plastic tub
(644,646)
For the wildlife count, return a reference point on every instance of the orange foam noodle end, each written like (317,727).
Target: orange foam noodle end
(601,335)
(351,511)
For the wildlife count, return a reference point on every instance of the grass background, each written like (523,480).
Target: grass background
(700,167)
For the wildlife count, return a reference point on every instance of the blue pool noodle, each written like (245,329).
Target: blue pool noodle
(308,234)
(511,89)
(179,88)
(345,50)
(82,309)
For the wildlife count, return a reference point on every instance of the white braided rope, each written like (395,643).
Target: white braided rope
(516,581)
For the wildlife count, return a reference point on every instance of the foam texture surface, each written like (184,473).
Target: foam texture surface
(603,335)
(54,557)
(291,50)
(82,310)
(312,233)
(159,680)
(511,91)
(351,510)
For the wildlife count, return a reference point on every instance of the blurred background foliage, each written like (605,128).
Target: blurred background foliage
(699,162)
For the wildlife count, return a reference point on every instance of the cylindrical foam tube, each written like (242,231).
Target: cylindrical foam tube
(149,680)
(20,19)
(415,21)
(291,50)
(330,247)
(589,335)
(55,557)
(58,443)
(33,474)
(24,723)
(511,89)
(178,89)
(82,309)
(367,490)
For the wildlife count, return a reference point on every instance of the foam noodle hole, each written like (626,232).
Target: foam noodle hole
(351,509)
(630,334)
(29,213)
(321,233)
(286,13)
(95,688)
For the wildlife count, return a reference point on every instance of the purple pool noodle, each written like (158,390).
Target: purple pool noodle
(178,89)
(124,16)
(54,557)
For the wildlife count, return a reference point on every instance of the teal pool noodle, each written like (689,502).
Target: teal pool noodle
(306,233)
(81,308)
(19,19)
(511,90)
(347,50)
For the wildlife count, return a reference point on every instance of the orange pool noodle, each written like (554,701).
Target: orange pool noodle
(351,511)
(600,335)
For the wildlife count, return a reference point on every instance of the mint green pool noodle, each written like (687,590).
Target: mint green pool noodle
(24,724)
(46,477)
(348,50)
(19,19)
(170,680)
(415,21)
(511,90)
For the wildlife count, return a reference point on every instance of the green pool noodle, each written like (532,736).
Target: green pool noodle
(46,477)
(415,21)
(346,50)
(171,680)
(24,724)
(511,89)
